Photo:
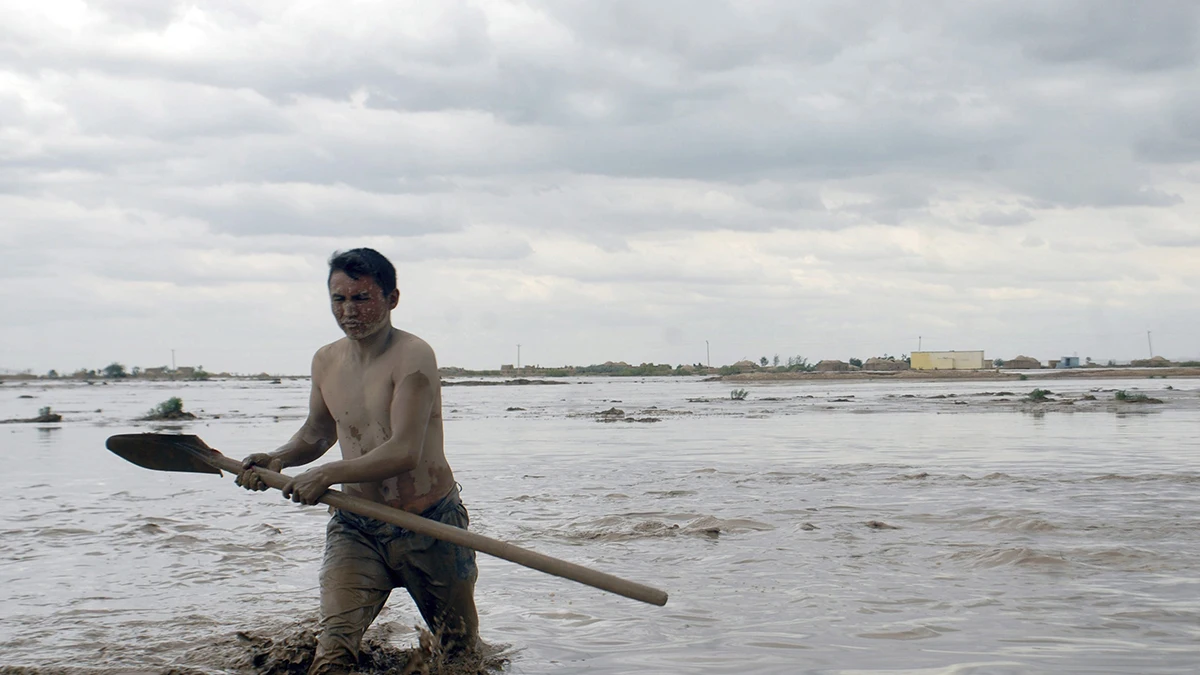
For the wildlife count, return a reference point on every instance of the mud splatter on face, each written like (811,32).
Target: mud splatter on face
(359,305)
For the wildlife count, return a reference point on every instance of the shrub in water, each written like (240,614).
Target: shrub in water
(168,408)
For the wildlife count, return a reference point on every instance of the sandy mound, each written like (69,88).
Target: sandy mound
(832,366)
(876,363)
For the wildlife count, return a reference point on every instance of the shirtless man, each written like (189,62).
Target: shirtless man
(377,393)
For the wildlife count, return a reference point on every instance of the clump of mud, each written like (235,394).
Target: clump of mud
(154,416)
(621,528)
(290,652)
(45,416)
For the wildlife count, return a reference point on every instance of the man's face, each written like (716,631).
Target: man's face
(359,305)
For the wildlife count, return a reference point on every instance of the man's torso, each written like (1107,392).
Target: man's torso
(359,396)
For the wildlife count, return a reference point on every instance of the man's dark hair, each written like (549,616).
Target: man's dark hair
(364,262)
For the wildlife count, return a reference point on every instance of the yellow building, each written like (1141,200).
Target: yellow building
(972,360)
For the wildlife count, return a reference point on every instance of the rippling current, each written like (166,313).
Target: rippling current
(815,527)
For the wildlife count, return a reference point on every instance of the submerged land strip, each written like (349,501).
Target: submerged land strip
(903,368)
(454,376)
(756,396)
(994,374)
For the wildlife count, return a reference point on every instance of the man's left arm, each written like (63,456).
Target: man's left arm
(412,404)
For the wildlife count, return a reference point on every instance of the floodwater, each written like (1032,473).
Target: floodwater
(815,527)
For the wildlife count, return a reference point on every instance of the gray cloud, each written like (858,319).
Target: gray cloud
(154,15)
(1124,34)
(1176,136)
(1174,237)
(306,209)
(700,166)
(996,218)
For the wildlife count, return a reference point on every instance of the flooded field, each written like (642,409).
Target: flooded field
(815,527)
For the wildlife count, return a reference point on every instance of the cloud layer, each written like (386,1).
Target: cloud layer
(600,181)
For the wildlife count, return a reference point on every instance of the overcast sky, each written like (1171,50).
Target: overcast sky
(600,180)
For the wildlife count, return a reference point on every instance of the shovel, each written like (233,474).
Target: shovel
(170,452)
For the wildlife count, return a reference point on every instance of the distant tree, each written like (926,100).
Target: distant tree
(998,363)
(115,369)
(53,374)
(857,363)
(764,361)
(775,361)
(135,371)
(798,363)
(1088,360)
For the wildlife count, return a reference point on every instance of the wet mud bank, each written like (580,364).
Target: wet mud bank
(969,375)
(44,418)
(500,383)
(289,650)
(769,400)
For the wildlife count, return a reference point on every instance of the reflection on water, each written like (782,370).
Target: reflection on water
(45,435)
(819,527)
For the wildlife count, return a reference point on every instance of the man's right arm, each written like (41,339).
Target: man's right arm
(315,437)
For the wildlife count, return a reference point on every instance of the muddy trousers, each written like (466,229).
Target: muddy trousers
(365,559)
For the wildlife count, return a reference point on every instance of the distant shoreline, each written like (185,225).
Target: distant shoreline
(458,376)
(980,375)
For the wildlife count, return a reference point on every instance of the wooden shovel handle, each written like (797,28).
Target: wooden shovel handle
(461,537)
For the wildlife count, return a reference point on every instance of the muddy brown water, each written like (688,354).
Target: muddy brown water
(812,528)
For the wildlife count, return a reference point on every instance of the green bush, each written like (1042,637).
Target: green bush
(171,406)
(115,369)
(738,394)
(1039,395)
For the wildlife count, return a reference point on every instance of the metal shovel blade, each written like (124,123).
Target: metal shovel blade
(165,452)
